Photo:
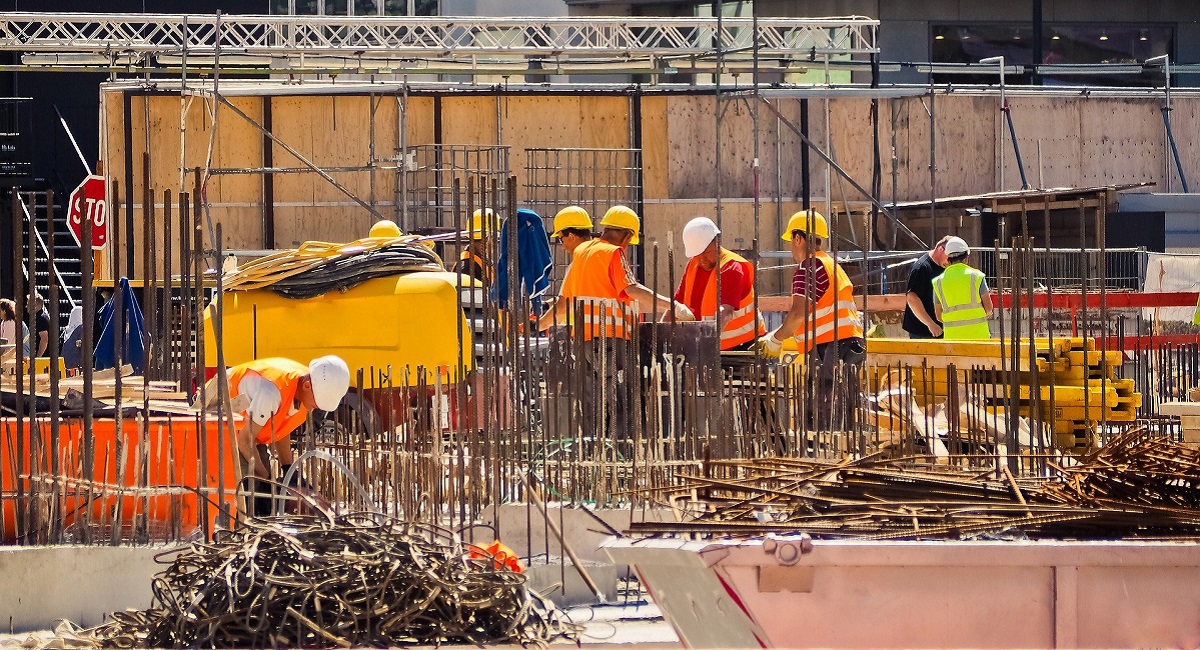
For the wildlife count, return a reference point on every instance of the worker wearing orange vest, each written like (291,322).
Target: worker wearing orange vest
(741,325)
(601,286)
(476,259)
(275,396)
(824,320)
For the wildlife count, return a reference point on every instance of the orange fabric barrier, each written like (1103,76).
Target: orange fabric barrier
(171,455)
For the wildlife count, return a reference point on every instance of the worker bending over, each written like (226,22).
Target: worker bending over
(824,320)
(740,324)
(275,395)
(963,301)
(476,259)
(601,283)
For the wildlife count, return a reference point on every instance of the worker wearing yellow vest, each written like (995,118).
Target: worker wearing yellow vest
(740,324)
(961,296)
(275,396)
(476,259)
(601,286)
(824,321)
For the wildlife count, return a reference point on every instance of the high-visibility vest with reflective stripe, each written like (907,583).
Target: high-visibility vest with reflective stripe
(597,307)
(957,289)
(740,325)
(286,375)
(836,316)
(1196,316)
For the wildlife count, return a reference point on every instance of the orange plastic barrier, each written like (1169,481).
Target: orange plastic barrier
(157,478)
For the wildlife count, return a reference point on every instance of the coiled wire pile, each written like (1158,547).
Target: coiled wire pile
(311,581)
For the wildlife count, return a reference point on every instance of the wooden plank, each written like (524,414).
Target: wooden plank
(655,148)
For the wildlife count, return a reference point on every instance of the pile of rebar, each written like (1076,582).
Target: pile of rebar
(1138,486)
(358,580)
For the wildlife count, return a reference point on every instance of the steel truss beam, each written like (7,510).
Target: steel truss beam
(439,38)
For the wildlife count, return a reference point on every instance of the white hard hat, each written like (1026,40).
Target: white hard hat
(330,380)
(698,234)
(957,246)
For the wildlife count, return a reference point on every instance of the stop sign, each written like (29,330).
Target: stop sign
(87,201)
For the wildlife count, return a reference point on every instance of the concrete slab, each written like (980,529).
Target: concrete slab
(45,584)
(559,581)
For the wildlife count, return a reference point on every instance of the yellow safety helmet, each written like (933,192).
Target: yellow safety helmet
(808,221)
(484,222)
(620,216)
(571,216)
(385,228)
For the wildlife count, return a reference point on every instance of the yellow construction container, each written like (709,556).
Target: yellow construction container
(397,323)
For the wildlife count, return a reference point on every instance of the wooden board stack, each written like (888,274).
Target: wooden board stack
(1067,382)
(162,396)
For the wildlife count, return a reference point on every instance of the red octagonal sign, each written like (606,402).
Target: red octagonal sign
(88,201)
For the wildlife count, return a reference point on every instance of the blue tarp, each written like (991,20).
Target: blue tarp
(533,259)
(133,350)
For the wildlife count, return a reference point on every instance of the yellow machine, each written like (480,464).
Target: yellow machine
(402,330)
(390,325)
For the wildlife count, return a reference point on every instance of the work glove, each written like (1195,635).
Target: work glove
(683,313)
(770,346)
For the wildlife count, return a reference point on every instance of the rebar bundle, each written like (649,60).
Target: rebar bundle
(311,581)
(1139,486)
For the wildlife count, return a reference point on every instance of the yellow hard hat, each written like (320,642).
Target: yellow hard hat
(809,221)
(484,222)
(385,228)
(620,216)
(571,216)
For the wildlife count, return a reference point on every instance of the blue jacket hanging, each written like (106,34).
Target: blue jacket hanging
(534,261)
(133,348)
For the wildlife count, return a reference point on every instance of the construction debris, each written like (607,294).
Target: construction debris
(352,581)
(1136,486)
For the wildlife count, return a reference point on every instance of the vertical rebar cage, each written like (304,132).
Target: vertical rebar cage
(426,183)
(594,179)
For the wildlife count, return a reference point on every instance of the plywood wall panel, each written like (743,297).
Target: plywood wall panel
(656,153)
(1122,142)
(469,120)
(966,162)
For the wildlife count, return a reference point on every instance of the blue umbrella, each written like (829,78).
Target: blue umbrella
(133,348)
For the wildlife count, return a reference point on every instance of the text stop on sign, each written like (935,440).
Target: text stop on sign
(88,201)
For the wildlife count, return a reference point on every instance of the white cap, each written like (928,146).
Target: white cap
(957,246)
(330,380)
(698,234)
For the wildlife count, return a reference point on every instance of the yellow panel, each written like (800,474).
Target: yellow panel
(406,321)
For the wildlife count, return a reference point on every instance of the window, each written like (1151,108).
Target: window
(1061,43)
(356,7)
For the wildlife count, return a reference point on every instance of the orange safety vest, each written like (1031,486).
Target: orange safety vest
(836,307)
(286,375)
(604,308)
(740,326)
(467,255)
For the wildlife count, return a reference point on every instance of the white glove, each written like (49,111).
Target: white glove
(683,313)
(770,345)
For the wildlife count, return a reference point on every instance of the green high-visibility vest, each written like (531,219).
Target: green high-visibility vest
(958,290)
(1196,316)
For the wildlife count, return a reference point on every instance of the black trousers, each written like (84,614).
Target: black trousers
(838,395)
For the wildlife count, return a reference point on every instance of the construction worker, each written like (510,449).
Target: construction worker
(476,259)
(275,396)
(600,281)
(919,320)
(572,226)
(824,320)
(740,324)
(963,301)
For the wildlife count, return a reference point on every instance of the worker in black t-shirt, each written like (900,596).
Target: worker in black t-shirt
(919,319)
(41,338)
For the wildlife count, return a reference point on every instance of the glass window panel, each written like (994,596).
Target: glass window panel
(337,7)
(308,7)
(1062,43)
(395,7)
(427,8)
(279,8)
(366,8)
